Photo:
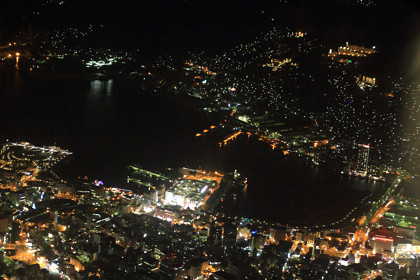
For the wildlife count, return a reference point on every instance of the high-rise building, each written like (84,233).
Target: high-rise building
(362,159)
(257,242)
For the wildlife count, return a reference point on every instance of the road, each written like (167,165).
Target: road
(378,209)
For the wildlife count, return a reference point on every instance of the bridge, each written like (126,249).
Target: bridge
(138,182)
(137,169)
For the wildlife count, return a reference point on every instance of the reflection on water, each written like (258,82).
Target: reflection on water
(98,109)
(98,87)
(109,86)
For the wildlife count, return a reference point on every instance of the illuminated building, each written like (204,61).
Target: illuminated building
(167,215)
(189,193)
(353,50)
(382,244)
(257,243)
(382,241)
(243,233)
(364,81)
(362,159)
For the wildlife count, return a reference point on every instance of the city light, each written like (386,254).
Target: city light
(314,139)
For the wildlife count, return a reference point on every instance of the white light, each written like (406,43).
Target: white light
(204,189)
(53,267)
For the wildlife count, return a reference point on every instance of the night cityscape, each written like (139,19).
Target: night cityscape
(230,140)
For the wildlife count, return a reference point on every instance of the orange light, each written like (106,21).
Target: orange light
(17,54)
(384,239)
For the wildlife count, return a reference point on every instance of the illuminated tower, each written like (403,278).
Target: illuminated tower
(362,159)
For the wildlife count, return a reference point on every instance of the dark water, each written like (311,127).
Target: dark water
(290,189)
(106,124)
(110,124)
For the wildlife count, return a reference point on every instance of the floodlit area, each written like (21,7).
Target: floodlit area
(189,193)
